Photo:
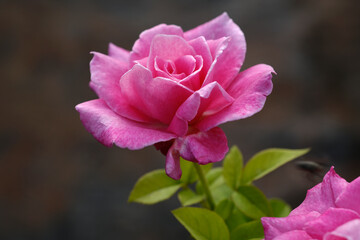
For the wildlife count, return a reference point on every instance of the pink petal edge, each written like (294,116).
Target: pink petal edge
(108,127)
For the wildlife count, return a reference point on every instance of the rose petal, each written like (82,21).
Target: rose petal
(276,226)
(328,221)
(249,90)
(185,64)
(206,101)
(213,99)
(105,75)
(185,113)
(108,127)
(349,230)
(230,61)
(204,147)
(293,235)
(172,163)
(168,47)
(159,98)
(193,80)
(350,197)
(118,53)
(141,47)
(201,48)
(323,195)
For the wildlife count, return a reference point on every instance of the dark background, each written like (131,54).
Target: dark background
(57,182)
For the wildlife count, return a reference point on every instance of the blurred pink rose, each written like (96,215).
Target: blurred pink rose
(330,211)
(173,89)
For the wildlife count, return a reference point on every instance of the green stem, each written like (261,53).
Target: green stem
(205,186)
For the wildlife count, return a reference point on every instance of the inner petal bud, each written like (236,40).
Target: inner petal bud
(185,64)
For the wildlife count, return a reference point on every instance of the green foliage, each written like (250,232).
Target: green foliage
(237,204)
(246,231)
(154,187)
(267,161)
(225,208)
(246,206)
(233,165)
(188,171)
(279,208)
(213,178)
(202,224)
(236,218)
(187,197)
(220,192)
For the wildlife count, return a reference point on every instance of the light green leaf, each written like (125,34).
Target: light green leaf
(188,171)
(279,208)
(154,187)
(236,218)
(202,224)
(248,231)
(267,161)
(256,197)
(189,174)
(187,197)
(220,192)
(213,178)
(246,206)
(233,165)
(224,208)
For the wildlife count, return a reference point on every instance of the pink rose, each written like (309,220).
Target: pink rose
(173,89)
(330,211)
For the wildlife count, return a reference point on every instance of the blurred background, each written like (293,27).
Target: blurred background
(58,182)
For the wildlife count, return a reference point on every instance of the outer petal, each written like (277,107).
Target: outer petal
(249,90)
(204,147)
(172,164)
(230,61)
(293,235)
(141,47)
(276,226)
(105,75)
(108,127)
(323,195)
(206,101)
(329,221)
(185,113)
(349,230)
(350,197)
(118,53)
(158,97)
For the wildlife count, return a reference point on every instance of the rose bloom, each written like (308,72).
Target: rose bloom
(330,211)
(173,89)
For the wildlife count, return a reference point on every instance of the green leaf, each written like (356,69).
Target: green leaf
(189,174)
(233,165)
(248,205)
(213,178)
(224,208)
(256,197)
(279,208)
(188,171)
(220,192)
(248,231)
(187,197)
(236,218)
(267,161)
(202,224)
(154,187)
